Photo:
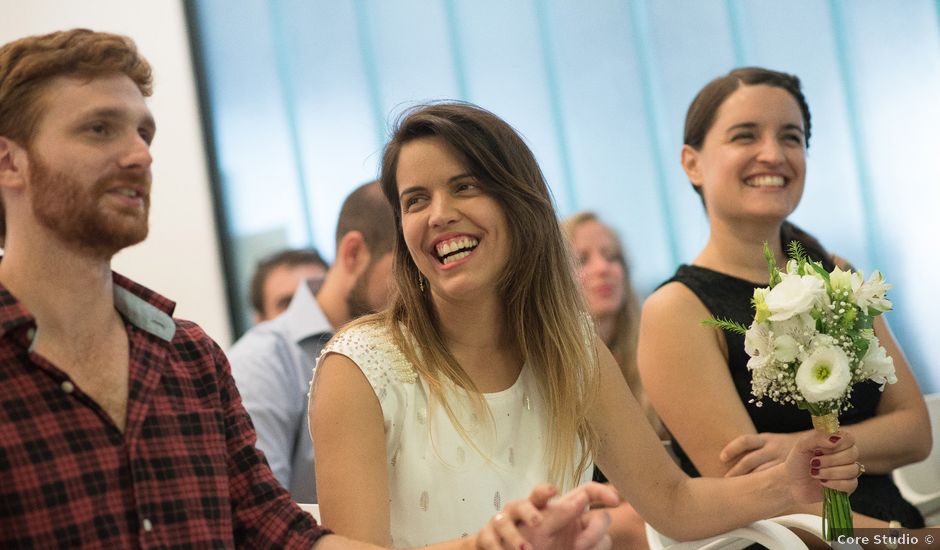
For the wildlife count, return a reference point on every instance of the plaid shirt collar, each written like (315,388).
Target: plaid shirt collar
(142,307)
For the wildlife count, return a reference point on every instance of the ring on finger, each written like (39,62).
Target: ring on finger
(861,469)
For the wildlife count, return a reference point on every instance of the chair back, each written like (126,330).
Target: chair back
(919,483)
(312,509)
(764,532)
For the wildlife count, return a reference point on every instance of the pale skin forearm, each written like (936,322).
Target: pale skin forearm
(891,440)
(741,503)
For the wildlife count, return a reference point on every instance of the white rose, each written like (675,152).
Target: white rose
(793,295)
(877,366)
(824,375)
(871,294)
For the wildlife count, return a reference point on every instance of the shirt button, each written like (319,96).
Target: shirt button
(148,527)
(68,387)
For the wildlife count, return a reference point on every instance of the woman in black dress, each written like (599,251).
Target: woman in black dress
(746,135)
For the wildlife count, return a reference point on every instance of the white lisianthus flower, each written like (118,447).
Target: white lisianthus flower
(793,295)
(877,366)
(871,294)
(824,375)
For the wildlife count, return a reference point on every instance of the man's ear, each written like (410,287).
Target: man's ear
(352,253)
(12,163)
(690,163)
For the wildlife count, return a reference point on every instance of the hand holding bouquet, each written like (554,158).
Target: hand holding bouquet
(811,340)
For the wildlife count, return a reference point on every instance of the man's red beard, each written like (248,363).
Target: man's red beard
(83,216)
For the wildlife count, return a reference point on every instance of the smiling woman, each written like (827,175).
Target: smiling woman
(456,233)
(746,135)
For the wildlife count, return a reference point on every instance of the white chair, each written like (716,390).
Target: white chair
(919,483)
(772,533)
(804,522)
(765,532)
(312,509)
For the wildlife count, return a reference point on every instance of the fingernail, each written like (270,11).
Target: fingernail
(817,452)
(814,463)
(835,438)
(814,471)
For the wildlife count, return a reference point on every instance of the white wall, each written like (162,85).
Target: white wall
(180,259)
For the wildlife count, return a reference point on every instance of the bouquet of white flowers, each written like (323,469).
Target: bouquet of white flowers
(810,342)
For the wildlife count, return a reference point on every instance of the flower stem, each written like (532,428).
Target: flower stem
(837,511)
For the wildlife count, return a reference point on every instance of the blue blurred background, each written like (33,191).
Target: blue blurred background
(302,93)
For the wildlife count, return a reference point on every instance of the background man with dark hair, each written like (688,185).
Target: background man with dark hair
(276,277)
(273,362)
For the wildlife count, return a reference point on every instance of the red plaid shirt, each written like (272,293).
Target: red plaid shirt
(184,474)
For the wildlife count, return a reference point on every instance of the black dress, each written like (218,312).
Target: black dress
(728,297)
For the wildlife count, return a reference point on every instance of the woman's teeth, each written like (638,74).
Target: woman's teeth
(765,181)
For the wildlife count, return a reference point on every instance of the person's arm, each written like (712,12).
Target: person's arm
(633,458)
(899,433)
(684,367)
(263,514)
(277,406)
(347,426)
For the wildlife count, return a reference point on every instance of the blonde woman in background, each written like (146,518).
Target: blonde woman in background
(610,299)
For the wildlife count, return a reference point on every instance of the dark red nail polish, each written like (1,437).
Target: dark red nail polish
(835,438)
(817,452)
(814,463)
(814,471)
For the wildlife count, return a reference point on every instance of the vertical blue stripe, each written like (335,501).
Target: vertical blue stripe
(456,49)
(289,100)
(653,112)
(554,100)
(855,122)
(936,4)
(736,24)
(364,33)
